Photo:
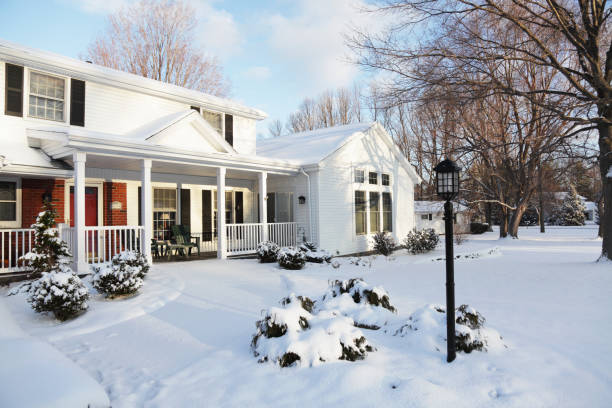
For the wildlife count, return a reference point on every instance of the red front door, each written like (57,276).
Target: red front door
(91,206)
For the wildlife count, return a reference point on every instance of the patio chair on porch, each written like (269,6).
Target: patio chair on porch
(183,239)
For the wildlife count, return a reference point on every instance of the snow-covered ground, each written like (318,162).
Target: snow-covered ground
(185,339)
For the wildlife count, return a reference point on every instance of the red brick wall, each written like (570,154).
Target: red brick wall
(115,192)
(32,191)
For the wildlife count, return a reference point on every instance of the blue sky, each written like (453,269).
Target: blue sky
(275,52)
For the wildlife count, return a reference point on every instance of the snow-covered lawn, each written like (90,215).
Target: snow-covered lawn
(185,339)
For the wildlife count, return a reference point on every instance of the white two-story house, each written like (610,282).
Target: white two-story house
(125,158)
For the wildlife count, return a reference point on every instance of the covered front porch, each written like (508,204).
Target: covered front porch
(137,193)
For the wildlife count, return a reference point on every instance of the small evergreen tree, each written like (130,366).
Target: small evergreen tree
(50,253)
(571,211)
(59,290)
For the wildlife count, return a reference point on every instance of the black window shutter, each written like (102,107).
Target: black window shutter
(229,129)
(77,102)
(196,108)
(14,90)
(186,207)
(207,227)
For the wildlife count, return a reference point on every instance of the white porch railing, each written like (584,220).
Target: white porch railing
(243,238)
(102,243)
(15,243)
(283,233)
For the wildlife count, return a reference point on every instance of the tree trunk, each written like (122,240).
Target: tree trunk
(503,223)
(599,214)
(488,215)
(605,164)
(541,201)
(515,221)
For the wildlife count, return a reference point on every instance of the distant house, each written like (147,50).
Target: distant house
(430,214)
(126,159)
(590,214)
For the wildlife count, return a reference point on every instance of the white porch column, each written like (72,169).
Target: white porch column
(78,236)
(263,207)
(147,209)
(221,233)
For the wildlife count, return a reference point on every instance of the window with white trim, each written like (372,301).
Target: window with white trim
(384,179)
(373,178)
(164,212)
(374,212)
(46,98)
(359,176)
(8,201)
(214,119)
(387,212)
(360,212)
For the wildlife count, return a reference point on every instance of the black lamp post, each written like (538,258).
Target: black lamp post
(447,187)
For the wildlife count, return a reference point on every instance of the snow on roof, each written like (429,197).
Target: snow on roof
(309,147)
(590,205)
(435,206)
(562,194)
(13,52)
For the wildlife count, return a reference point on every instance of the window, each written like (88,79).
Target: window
(164,212)
(8,201)
(387,212)
(384,179)
(359,176)
(214,119)
(430,217)
(13,104)
(46,97)
(228,209)
(360,212)
(373,178)
(374,212)
(424,217)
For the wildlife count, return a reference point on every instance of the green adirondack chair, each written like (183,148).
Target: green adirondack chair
(182,237)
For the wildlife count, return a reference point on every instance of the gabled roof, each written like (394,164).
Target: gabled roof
(48,61)
(310,147)
(313,147)
(435,207)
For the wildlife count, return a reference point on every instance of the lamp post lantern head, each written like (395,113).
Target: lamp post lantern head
(447,179)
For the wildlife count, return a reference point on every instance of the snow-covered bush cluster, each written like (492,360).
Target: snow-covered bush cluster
(267,251)
(427,327)
(291,334)
(570,211)
(418,242)
(384,243)
(479,227)
(123,275)
(313,253)
(291,258)
(59,290)
(61,293)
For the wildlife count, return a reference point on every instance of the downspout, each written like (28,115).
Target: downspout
(309,205)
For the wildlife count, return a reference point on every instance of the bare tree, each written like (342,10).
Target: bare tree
(570,37)
(275,128)
(156,39)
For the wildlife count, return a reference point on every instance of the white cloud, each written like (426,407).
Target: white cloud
(312,40)
(257,73)
(99,6)
(217,30)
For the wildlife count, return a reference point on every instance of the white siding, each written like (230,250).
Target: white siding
(298,185)
(336,191)
(244,135)
(437,222)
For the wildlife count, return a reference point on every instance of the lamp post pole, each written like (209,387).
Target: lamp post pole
(450,282)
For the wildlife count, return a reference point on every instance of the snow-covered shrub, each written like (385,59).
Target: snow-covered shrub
(61,293)
(267,251)
(59,290)
(291,335)
(131,259)
(428,325)
(479,227)
(570,212)
(313,253)
(122,276)
(418,242)
(369,306)
(384,243)
(291,258)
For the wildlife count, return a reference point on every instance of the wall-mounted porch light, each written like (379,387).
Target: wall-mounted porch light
(302,200)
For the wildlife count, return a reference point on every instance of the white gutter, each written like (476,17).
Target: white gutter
(309,205)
